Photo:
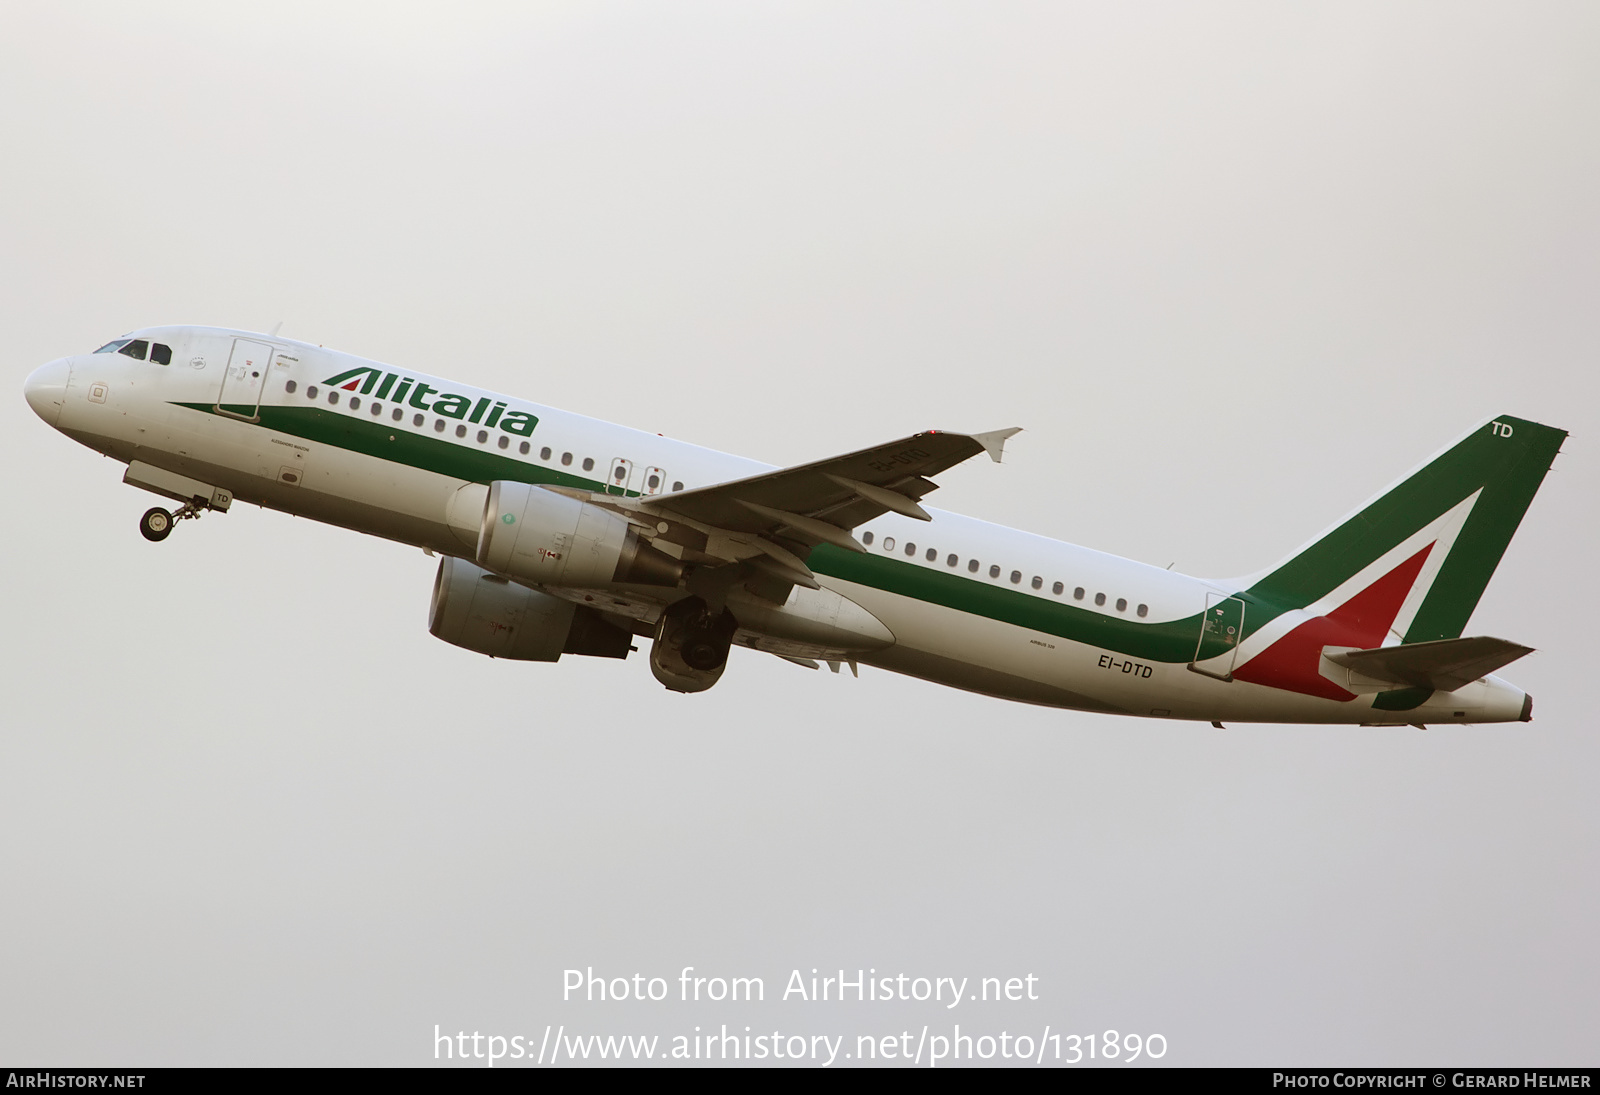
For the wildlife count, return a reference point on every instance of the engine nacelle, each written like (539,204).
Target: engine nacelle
(540,536)
(485,613)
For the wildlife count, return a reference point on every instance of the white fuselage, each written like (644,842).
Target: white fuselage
(164,416)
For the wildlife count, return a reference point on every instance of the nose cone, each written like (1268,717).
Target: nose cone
(46,389)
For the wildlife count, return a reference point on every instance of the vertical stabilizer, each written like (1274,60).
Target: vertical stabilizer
(1461,507)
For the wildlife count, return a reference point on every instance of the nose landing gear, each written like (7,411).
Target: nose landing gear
(156,524)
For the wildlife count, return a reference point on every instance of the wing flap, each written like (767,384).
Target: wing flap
(829,490)
(1443,666)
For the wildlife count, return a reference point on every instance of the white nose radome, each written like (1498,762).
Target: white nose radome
(46,389)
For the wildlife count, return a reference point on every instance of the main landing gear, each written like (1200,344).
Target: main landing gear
(156,524)
(691,647)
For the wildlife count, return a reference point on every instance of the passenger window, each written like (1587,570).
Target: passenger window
(438,425)
(866,537)
(1038,582)
(1077,594)
(355,404)
(1016,577)
(588,463)
(461,431)
(1122,604)
(1099,598)
(911,549)
(161,354)
(1057,588)
(523,449)
(994,572)
(311,392)
(653,482)
(566,459)
(1144,610)
(972,566)
(288,386)
(888,543)
(483,435)
(333,397)
(416,420)
(377,410)
(952,560)
(933,555)
(505,442)
(544,453)
(136,349)
(678,485)
(397,414)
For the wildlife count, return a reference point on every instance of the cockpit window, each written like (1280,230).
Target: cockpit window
(136,349)
(161,353)
(112,347)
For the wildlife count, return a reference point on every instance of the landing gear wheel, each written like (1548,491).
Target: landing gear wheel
(702,652)
(155,525)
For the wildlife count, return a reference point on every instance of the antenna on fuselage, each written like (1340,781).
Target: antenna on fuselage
(276,327)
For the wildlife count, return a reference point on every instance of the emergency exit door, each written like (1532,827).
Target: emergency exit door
(621,475)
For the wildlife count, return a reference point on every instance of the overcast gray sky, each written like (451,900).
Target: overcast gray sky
(1234,267)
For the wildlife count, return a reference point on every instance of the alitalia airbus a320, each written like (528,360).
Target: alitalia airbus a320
(561,534)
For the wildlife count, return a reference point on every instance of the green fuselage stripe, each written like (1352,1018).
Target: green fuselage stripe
(401,444)
(1166,641)
(1508,468)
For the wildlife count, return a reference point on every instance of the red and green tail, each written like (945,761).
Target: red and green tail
(1446,525)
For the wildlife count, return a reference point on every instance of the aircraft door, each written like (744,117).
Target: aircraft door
(246,375)
(621,473)
(1221,628)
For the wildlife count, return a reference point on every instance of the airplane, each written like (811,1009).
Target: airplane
(560,534)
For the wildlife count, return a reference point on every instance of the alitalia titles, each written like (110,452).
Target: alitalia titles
(410,392)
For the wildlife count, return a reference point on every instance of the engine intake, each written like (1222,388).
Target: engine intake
(540,536)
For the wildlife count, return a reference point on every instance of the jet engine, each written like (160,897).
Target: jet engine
(691,645)
(487,614)
(539,536)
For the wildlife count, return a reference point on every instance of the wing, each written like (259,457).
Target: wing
(764,527)
(843,492)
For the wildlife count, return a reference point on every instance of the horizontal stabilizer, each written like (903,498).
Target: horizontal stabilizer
(1443,666)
